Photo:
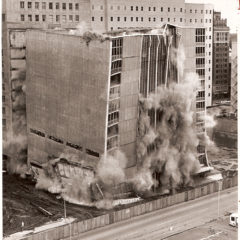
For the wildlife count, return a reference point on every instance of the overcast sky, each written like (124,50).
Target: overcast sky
(228,9)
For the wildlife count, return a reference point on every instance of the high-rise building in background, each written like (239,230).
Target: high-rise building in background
(221,75)
(234,70)
(102,16)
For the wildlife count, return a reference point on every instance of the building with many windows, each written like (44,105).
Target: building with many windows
(87,101)
(234,72)
(103,16)
(221,79)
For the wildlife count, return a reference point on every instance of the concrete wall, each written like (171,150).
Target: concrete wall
(74,229)
(67,89)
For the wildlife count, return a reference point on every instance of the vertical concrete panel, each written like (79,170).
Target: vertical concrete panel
(123,214)
(211,187)
(208,188)
(186,196)
(139,209)
(189,195)
(66,231)
(161,203)
(111,217)
(132,212)
(107,219)
(147,207)
(143,206)
(93,223)
(102,221)
(216,186)
(127,213)
(81,227)
(235,181)
(120,215)
(135,210)
(154,204)
(98,221)
(50,234)
(150,207)
(114,217)
(164,202)
(205,190)
(74,229)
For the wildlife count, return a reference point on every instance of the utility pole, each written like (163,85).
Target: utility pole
(218,198)
(65,211)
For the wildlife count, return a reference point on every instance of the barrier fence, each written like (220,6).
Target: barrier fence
(74,229)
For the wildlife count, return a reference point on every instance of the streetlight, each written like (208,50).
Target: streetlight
(65,211)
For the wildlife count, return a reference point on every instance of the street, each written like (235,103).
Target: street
(170,221)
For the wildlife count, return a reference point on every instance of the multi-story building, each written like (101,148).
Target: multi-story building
(103,16)
(234,70)
(221,79)
(84,96)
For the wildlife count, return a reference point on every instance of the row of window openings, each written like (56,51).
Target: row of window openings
(222,76)
(113,118)
(151,19)
(200,105)
(154,9)
(221,39)
(221,44)
(50,5)
(221,65)
(221,82)
(72,145)
(44,18)
(112,143)
(221,49)
(222,55)
(116,66)
(222,71)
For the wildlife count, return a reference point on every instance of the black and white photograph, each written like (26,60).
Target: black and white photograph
(119,119)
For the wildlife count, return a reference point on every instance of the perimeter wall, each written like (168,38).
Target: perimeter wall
(74,229)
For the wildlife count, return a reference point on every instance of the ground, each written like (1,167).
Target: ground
(21,202)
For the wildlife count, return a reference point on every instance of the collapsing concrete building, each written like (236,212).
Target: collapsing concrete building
(88,96)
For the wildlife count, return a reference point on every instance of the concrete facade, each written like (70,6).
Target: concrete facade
(60,109)
(100,15)
(85,101)
(83,96)
(221,79)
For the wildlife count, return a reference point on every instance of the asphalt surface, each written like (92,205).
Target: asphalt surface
(164,223)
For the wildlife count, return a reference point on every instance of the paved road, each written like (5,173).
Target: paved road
(166,222)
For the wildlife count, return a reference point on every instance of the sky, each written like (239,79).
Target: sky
(228,8)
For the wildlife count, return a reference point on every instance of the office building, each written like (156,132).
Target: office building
(221,79)
(83,97)
(234,72)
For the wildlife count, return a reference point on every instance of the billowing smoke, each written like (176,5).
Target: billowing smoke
(15,144)
(168,146)
(92,190)
(49,179)
(87,34)
(110,169)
